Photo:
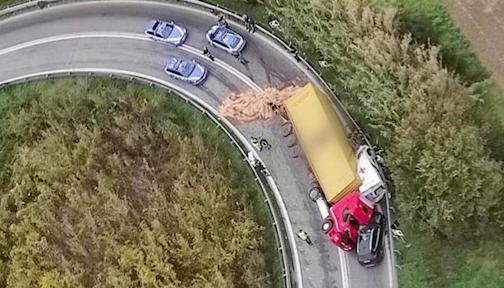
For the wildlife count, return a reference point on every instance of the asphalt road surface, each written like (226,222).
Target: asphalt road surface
(109,35)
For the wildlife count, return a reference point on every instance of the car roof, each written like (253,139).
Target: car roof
(219,33)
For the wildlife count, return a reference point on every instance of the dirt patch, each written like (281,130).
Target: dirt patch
(482,22)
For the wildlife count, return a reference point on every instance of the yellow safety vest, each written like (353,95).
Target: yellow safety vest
(303,235)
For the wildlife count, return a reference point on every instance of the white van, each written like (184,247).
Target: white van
(373,185)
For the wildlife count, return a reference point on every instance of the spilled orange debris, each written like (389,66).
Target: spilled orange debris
(251,105)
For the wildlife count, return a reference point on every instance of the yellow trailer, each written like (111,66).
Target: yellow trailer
(323,141)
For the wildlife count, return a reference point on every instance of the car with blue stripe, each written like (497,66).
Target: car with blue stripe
(226,39)
(167,32)
(186,70)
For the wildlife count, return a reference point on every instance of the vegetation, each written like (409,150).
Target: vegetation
(251,7)
(108,184)
(412,82)
(5,3)
(428,22)
(428,261)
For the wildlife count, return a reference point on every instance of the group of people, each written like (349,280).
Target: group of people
(249,22)
(238,56)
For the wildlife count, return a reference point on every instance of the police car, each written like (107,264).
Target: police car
(167,32)
(226,39)
(186,70)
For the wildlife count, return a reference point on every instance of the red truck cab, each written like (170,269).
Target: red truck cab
(345,218)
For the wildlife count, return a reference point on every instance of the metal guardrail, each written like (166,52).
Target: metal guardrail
(239,141)
(311,71)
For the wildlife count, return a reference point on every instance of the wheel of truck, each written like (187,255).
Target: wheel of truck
(314,193)
(327,225)
(286,129)
(313,180)
(291,141)
(295,152)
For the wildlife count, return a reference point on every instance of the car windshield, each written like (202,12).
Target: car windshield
(185,68)
(364,246)
(164,30)
(218,34)
(230,40)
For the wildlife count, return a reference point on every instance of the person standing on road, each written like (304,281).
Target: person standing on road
(222,21)
(207,53)
(255,143)
(240,58)
(304,236)
(249,23)
(252,26)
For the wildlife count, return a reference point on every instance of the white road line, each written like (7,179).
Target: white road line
(130,36)
(345,279)
(283,210)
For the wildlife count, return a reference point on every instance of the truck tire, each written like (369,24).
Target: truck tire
(286,129)
(295,152)
(327,225)
(314,193)
(291,141)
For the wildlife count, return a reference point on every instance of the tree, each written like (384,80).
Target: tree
(135,199)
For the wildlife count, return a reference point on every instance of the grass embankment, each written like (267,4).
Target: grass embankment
(109,184)
(440,137)
(251,8)
(475,261)
(9,3)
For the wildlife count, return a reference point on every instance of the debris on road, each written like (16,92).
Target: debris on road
(252,105)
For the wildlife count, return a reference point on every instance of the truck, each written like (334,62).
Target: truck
(346,188)
(373,186)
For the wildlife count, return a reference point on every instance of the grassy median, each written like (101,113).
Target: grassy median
(105,183)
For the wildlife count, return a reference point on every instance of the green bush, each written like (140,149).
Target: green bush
(108,184)
(429,22)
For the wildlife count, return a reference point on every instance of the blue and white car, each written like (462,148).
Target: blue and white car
(225,39)
(185,70)
(167,32)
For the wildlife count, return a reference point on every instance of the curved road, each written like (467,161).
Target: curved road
(109,35)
